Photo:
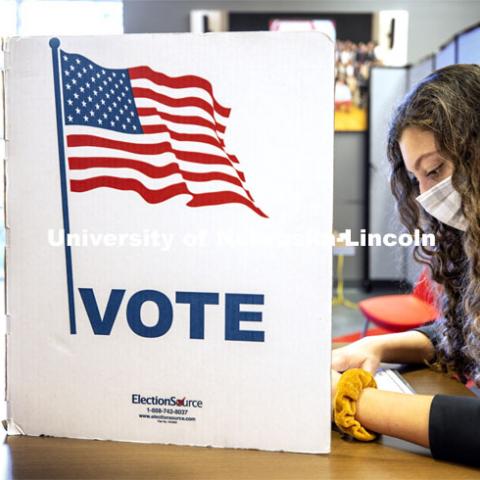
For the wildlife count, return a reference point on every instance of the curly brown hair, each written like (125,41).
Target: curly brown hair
(447,103)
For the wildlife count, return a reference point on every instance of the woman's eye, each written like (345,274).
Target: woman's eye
(433,173)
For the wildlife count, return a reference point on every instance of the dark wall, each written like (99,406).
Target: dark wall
(356,27)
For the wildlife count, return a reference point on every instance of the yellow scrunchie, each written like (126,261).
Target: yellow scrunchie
(349,388)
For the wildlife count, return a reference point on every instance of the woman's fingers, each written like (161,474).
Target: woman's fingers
(343,360)
(339,361)
(371,364)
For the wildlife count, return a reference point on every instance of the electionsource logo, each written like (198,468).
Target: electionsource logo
(173,401)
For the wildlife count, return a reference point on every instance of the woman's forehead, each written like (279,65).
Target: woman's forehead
(416,145)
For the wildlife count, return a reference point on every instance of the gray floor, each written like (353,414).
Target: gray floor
(346,320)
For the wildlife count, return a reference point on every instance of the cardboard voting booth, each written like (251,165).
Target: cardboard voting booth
(165,198)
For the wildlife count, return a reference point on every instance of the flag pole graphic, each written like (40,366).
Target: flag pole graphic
(55,44)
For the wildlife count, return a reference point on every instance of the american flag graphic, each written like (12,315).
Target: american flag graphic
(143,131)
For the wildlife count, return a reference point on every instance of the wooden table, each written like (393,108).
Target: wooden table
(54,458)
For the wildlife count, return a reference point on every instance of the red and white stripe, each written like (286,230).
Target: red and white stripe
(181,152)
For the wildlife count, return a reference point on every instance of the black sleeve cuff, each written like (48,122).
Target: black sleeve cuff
(431,331)
(454,429)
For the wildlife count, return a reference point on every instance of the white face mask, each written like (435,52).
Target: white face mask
(444,203)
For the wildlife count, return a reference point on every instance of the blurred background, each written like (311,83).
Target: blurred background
(383,48)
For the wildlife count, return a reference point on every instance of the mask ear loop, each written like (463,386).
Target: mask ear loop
(463,222)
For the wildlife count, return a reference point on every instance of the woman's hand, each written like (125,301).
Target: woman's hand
(366,353)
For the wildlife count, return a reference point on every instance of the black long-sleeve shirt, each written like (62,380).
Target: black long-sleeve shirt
(454,425)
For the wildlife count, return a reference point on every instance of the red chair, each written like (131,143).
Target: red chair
(398,313)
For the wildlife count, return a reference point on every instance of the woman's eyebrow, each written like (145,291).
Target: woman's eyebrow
(422,157)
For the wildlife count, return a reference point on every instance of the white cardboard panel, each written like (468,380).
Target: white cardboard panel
(272,394)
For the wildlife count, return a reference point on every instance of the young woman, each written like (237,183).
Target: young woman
(434,152)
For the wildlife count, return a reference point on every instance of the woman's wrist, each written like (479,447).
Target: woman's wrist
(399,415)
(407,347)
(349,388)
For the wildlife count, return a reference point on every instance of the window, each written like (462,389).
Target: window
(70,17)
(8,17)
